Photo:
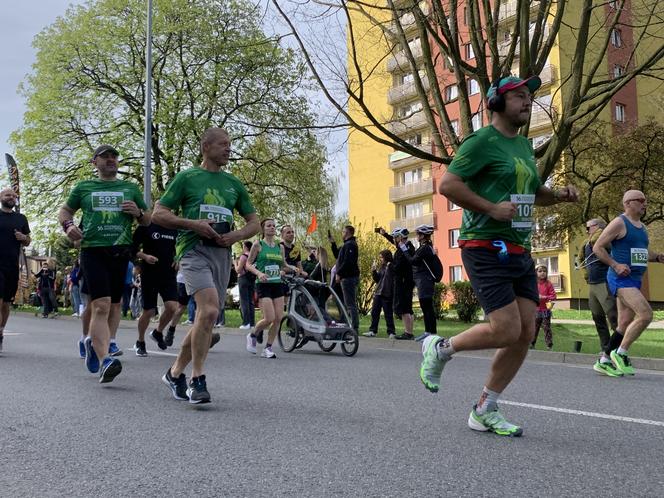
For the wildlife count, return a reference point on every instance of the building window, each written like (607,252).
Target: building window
(613,4)
(414,210)
(551,263)
(412,176)
(406,78)
(465,16)
(477,121)
(452,207)
(618,71)
(449,64)
(616,38)
(455,126)
(409,109)
(451,93)
(415,139)
(456,274)
(454,237)
(473,87)
(620,113)
(469,51)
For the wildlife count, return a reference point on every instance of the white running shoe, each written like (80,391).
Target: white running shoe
(251,344)
(268,353)
(246,326)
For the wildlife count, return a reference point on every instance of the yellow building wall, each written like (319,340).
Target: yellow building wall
(369,176)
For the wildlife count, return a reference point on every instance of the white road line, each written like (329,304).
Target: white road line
(584,413)
(12,333)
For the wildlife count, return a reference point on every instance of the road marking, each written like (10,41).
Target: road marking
(12,333)
(584,413)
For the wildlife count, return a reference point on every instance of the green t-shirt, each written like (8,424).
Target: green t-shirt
(270,261)
(498,169)
(201,194)
(104,223)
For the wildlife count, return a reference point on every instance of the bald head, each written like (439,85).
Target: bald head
(8,199)
(632,195)
(215,147)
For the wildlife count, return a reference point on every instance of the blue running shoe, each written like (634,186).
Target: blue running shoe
(114,350)
(110,368)
(81,349)
(91,360)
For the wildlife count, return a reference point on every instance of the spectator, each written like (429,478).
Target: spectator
(382,274)
(547,295)
(46,289)
(247,287)
(348,271)
(75,289)
(126,294)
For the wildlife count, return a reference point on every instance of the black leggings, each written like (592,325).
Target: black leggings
(426,303)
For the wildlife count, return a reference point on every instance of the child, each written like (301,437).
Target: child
(547,294)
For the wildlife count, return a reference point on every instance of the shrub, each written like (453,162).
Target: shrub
(467,304)
(440,304)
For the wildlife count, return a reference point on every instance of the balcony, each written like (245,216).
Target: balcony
(406,91)
(415,121)
(407,21)
(508,9)
(548,75)
(411,223)
(400,61)
(400,159)
(540,119)
(503,47)
(411,190)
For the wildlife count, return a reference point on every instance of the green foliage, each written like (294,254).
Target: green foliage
(440,303)
(212,66)
(467,305)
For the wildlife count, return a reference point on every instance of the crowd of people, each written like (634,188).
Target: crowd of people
(184,249)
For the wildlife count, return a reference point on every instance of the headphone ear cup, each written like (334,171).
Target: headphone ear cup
(497,102)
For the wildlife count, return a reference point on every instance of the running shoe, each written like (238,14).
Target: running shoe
(245,326)
(251,344)
(607,368)
(216,337)
(188,322)
(177,386)
(405,337)
(268,353)
(259,337)
(392,336)
(197,391)
(91,360)
(110,368)
(81,349)
(432,367)
(140,348)
(170,336)
(369,334)
(158,337)
(622,363)
(493,421)
(114,350)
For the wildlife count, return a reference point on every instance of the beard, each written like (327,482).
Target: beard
(8,204)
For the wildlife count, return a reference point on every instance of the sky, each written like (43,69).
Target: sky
(21,22)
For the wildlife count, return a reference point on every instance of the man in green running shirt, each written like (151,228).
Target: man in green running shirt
(205,199)
(494,178)
(109,208)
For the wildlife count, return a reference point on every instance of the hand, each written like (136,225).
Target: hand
(374,266)
(567,194)
(503,211)
(381,231)
(74,233)
(621,270)
(304,273)
(20,236)
(228,239)
(149,259)
(660,258)
(204,229)
(403,247)
(131,208)
(262,277)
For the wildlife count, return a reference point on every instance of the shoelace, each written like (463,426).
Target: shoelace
(625,359)
(496,419)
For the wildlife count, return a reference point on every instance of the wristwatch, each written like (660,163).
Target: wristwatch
(140,214)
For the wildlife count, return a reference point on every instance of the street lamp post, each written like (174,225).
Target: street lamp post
(147,166)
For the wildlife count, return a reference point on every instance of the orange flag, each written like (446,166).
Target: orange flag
(313,226)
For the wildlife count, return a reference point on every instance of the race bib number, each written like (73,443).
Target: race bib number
(638,256)
(523,220)
(273,272)
(215,213)
(107,201)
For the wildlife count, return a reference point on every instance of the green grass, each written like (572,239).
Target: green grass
(585,314)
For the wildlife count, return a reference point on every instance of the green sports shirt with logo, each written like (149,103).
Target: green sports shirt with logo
(104,223)
(197,194)
(270,261)
(498,168)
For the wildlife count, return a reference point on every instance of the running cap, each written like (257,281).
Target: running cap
(400,232)
(103,149)
(512,82)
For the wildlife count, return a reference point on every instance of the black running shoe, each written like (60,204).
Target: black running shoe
(170,335)
(405,337)
(177,386)
(140,348)
(158,337)
(216,337)
(197,391)
(259,337)
(110,368)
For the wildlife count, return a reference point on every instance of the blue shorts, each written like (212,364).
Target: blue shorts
(615,282)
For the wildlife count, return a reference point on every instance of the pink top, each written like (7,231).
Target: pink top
(546,293)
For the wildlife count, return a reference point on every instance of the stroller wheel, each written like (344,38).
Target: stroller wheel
(327,346)
(289,334)
(351,343)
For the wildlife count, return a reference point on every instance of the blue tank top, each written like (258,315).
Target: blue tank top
(631,250)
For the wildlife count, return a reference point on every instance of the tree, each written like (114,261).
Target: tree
(212,66)
(447,29)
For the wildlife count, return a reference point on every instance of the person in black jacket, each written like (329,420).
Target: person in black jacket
(422,261)
(403,283)
(382,299)
(348,271)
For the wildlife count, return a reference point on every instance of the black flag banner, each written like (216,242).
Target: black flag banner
(12,169)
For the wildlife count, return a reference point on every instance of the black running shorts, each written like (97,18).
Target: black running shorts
(104,271)
(497,284)
(158,281)
(270,291)
(8,283)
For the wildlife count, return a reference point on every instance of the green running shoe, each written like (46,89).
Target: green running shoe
(493,421)
(607,369)
(432,367)
(622,363)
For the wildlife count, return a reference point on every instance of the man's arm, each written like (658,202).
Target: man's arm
(655,257)
(66,220)
(251,228)
(614,230)
(455,189)
(548,197)
(167,219)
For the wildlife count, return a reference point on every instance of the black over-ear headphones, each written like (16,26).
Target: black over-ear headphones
(496,102)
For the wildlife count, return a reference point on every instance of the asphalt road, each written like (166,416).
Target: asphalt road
(314,424)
